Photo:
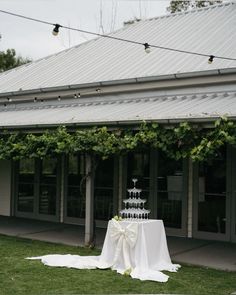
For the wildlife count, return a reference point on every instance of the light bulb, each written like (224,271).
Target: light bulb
(147,48)
(210,60)
(55,31)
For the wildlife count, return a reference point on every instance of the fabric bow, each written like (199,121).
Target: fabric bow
(125,238)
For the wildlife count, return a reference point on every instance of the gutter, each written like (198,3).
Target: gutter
(173,121)
(176,76)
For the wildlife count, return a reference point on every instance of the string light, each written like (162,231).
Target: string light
(77,95)
(147,48)
(55,31)
(57,26)
(210,60)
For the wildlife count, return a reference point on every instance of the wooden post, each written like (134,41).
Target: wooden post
(89,204)
(120,183)
(62,188)
(190,201)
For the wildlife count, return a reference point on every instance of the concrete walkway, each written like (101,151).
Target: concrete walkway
(214,254)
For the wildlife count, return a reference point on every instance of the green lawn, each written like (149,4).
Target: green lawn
(20,276)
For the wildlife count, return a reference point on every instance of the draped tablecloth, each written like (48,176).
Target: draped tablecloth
(137,248)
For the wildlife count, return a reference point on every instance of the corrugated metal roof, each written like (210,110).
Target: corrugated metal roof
(209,31)
(123,109)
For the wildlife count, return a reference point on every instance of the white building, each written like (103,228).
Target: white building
(107,82)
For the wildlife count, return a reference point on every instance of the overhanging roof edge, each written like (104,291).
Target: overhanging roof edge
(223,71)
(119,123)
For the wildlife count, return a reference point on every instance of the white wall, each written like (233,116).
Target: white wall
(5,187)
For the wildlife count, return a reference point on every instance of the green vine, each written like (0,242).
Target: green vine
(181,141)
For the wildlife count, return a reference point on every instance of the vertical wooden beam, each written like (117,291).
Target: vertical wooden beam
(190,200)
(62,188)
(115,187)
(120,183)
(89,204)
(153,184)
(14,187)
(5,187)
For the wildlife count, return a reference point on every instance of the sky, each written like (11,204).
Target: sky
(34,40)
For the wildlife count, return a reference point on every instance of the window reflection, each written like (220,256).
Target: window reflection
(76,186)
(212,195)
(48,186)
(25,200)
(138,166)
(170,191)
(103,193)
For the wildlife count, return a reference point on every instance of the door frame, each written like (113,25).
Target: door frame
(228,196)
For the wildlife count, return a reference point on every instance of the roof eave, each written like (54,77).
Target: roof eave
(167,121)
(186,75)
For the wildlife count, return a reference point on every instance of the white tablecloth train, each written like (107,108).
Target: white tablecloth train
(135,248)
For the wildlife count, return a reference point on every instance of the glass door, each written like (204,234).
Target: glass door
(212,197)
(37,193)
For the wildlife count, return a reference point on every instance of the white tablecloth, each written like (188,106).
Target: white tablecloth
(138,248)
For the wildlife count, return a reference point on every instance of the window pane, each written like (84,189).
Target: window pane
(170,191)
(103,194)
(212,195)
(47,200)
(76,186)
(138,166)
(49,171)
(48,186)
(25,200)
(26,170)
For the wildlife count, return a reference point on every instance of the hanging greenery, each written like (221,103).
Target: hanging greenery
(182,141)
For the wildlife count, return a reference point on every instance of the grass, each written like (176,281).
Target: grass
(19,276)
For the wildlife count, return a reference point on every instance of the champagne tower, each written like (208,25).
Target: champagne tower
(134,205)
